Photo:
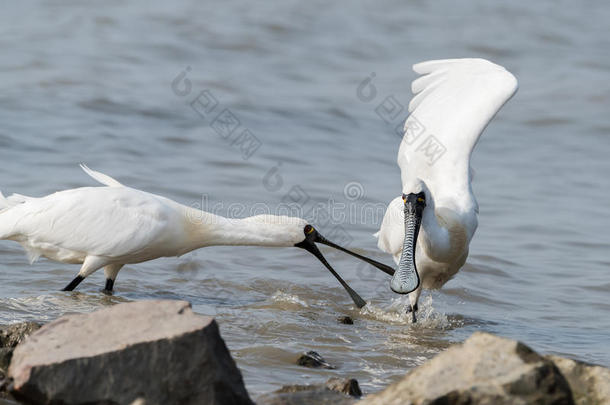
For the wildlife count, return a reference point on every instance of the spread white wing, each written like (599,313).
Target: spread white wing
(454,101)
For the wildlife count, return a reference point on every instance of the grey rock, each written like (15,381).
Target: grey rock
(335,391)
(484,370)
(590,383)
(156,351)
(312,359)
(10,337)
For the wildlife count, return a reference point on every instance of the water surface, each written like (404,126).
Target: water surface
(83,83)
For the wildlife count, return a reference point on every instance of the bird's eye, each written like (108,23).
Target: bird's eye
(419,199)
(308,229)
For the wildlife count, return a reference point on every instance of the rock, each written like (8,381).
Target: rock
(3,382)
(322,396)
(312,359)
(348,386)
(346,320)
(4,401)
(156,351)
(484,370)
(590,384)
(10,337)
(335,391)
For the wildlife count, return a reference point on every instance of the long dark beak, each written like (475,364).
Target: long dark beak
(380,266)
(406,278)
(309,245)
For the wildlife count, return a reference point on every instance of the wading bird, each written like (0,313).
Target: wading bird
(111,226)
(428,229)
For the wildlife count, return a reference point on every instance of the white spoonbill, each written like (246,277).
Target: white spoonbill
(428,229)
(108,227)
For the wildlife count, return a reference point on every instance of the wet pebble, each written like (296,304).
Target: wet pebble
(312,359)
(346,320)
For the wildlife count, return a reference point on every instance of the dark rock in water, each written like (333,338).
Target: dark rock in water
(313,360)
(159,351)
(10,337)
(485,369)
(346,320)
(348,386)
(335,391)
(322,396)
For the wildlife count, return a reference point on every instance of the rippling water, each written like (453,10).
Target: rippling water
(80,82)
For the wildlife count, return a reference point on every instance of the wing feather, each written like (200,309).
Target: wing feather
(453,104)
(428,80)
(101,177)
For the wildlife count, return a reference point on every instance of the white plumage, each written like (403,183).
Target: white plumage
(453,103)
(108,227)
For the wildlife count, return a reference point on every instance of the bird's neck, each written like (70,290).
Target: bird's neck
(446,231)
(206,229)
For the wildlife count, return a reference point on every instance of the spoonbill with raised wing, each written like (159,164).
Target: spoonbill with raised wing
(429,228)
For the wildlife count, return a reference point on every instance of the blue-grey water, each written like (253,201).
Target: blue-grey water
(86,82)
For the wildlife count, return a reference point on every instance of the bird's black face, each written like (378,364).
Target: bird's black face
(312,236)
(406,278)
(415,203)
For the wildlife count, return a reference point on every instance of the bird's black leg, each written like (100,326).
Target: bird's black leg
(77,280)
(412,311)
(109,286)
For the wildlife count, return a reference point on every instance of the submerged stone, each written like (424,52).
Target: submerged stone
(312,359)
(346,320)
(336,391)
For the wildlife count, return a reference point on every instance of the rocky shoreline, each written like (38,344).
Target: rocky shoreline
(160,352)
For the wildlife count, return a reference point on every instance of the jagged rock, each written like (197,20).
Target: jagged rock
(10,337)
(484,370)
(335,391)
(157,351)
(590,384)
(312,359)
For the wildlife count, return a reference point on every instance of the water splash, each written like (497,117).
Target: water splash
(282,297)
(396,313)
